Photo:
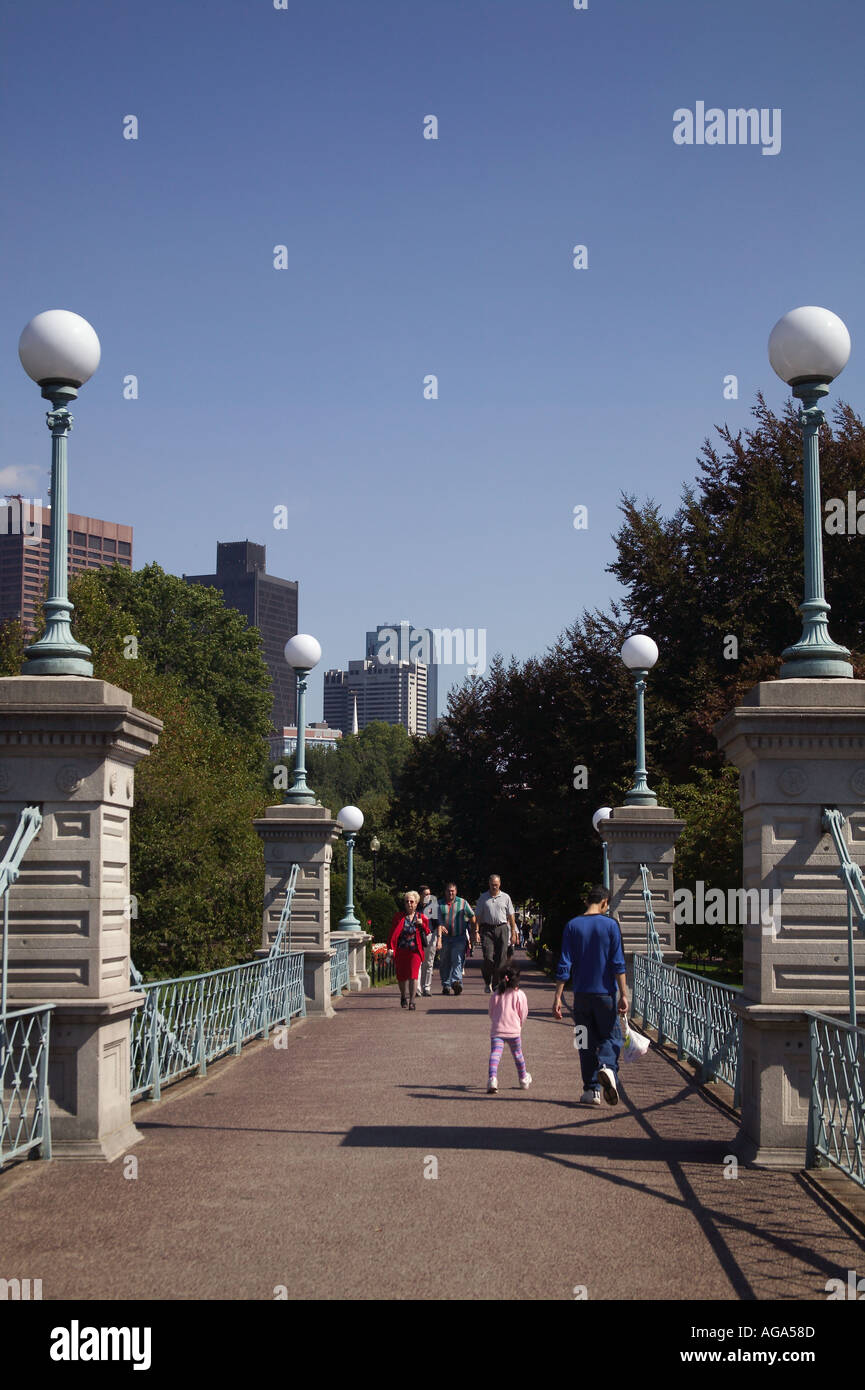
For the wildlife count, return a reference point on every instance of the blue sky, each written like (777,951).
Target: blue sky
(407,257)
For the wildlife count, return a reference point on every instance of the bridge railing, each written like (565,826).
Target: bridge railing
(836,1124)
(25,1120)
(653,941)
(339,973)
(187,1022)
(695,1013)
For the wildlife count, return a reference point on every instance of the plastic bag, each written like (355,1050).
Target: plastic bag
(635,1045)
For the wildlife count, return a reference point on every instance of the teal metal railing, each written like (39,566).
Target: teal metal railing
(283,931)
(653,942)
(25,1119)
(833,821)
(29,825)
(836,1122)
(339,967)
(187,1022)
(694,1013)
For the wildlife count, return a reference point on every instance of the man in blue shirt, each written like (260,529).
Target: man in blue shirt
(593,963)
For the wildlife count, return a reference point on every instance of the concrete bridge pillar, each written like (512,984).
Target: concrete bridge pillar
(70,744)
(302,835)
(638,835)
(799,746)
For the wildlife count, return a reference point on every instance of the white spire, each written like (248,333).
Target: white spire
(354,713)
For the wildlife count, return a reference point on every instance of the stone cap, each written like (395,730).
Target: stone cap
(35,709)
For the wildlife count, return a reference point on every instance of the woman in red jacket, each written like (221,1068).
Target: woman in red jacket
(407,944)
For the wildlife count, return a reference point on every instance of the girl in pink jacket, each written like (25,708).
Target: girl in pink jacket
(509,1009)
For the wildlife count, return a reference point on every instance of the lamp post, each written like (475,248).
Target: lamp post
(375,846)
(603,814)
(351,820)
(59,350)
(302,653)
(808,348)
(639,654)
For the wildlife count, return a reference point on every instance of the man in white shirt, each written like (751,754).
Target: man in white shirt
(495,926)
(430,908)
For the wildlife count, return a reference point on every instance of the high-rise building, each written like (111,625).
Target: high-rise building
(402,642)
(268,603)
(25,547)
(392,691)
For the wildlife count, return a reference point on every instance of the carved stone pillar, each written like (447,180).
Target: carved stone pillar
(70,745)
(302,835)
(638,835)
(799,746)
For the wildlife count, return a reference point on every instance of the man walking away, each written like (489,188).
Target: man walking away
(593,962)
(430,909)
(455,915)
(496,927)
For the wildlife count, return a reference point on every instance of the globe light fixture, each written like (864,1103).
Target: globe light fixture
(351,820)
(639,653)
(302,653)
(603,813)
(808,348)
(59,350)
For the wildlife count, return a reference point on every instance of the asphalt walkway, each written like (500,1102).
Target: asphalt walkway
(303,1167)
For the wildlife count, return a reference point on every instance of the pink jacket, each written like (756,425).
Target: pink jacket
(508,1013)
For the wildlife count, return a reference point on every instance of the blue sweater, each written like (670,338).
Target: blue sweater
(592,954)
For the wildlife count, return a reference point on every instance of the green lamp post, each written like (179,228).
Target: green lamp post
(808,348)
(302,653)
(639,654)
(603,814)
(59,350)
(351,820)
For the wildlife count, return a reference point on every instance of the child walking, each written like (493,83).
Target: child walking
(509,1010)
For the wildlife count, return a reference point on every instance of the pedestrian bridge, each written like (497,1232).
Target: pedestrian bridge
(360,1156)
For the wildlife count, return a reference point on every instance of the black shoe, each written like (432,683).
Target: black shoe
(403,1002)
(412,1005)
(445,990)
(458,989)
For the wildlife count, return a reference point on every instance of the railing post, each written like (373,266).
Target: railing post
(707,1029)
(44,1096)
(235,1021)
(199,1004)
(814,1102)
(151,997)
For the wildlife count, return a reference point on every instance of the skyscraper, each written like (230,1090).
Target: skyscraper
(393,691)
(268,603)
(403,642)
(25,544)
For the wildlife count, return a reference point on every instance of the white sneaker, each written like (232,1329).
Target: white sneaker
(590,1098)
(608,1081)
(488,989)
(493,1086)
(526,1081)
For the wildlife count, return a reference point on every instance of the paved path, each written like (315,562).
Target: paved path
(304,1167)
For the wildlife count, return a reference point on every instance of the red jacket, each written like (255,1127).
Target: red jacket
(421,925)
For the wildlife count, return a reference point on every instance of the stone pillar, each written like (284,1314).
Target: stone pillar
(638,835)
(799,746)
(358,977)
(302,835)
(70,745)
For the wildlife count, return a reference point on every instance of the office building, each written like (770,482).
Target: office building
(268,603)
(25,543)
(393,691)
(317,736)
(406,643)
